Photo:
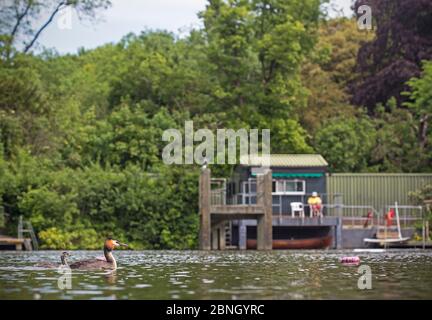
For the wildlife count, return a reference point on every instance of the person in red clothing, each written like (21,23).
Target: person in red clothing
(389,217)
(369,218)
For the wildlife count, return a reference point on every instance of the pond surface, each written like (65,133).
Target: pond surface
(396,274)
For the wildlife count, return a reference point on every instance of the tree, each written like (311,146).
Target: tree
(21,19)
(157,70)
(419,196)
(257,48)
(346,143)
(228,29)
(421,101)
(403,40)
(328,70)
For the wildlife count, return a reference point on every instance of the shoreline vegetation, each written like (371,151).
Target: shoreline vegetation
(81,134)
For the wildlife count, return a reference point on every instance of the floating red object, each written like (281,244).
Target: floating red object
(350,260)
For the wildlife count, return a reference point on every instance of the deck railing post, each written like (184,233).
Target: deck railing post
(204,208)
(338,205)
(242,235)
(265,222)
(214,238)
(339,233)
(222,236)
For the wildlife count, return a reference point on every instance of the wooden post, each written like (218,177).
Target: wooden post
(222,239)
(27,245)
(242,235)
(265,222)
(218,236)
(214,238)
(428,204)
(204,207)
(339,233)
(338,202)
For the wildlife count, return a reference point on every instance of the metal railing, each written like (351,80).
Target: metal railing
(218,191)
(353,215)
(217,197)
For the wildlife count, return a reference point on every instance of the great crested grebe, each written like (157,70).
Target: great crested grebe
(63,259)
(97,264)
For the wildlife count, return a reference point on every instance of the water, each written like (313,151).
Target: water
(396,274)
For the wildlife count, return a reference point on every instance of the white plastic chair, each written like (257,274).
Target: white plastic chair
(297,207)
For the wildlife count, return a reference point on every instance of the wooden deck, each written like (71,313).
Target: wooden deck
(213,218)
(18,243)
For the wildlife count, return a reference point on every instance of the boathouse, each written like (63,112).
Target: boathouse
(268,208)
(294,178)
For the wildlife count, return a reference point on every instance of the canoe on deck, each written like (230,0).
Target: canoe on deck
(388,240)
(387,237)
(308,243)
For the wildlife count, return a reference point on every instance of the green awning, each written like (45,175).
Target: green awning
(294,175)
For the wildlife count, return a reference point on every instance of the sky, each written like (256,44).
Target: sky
(67,33)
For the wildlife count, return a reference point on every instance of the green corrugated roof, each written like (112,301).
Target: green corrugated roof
(288,160)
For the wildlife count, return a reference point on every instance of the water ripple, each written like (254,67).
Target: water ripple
(396,274)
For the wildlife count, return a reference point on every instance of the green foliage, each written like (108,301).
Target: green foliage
(421,105)
(2,220)
(397,147)
(53,238)
(328,70)
(421,91)
(419,196)
(346,143)
(80,135)
(255,49)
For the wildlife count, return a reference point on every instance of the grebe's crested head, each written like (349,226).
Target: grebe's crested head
(110,244)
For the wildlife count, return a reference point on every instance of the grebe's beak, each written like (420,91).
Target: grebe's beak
(118,244)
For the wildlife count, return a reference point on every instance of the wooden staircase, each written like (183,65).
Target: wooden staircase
(228,236)
(25,226)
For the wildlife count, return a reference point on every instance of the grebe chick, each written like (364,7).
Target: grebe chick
(63,259)
(95,264)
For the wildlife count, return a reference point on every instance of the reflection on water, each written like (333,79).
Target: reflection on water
(221,275)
